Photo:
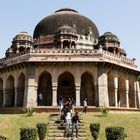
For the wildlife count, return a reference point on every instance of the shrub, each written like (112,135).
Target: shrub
(94,128)
(2,137)
(28,134)
(115,133)
(29,111)
(104,111)
(41,130)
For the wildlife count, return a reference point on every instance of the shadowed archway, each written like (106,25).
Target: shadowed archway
(131,93)
(45,87)
(66,86)
(87,89)
(20,90)
(10,92)
(121,91)
(1,92)
(111,89)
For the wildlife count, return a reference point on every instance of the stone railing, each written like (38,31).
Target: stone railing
(85,52)
(118,57)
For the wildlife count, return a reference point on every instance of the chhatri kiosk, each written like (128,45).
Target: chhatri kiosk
(68,57)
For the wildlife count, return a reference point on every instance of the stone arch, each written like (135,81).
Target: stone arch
(111,89)
(66,85)
(45,87)
(10,92)
(20,90)
(121,91)
(1,92)
(131,93)
(87,89)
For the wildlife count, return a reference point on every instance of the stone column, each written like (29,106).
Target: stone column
(102,87)
(4,92)
(70,45)
(30,93)
(54,86)
(116,90)
(61,44)
(16,92)
(138,93)
(127,92)
(135,94)
(54,92)
(78,94)
(3,105)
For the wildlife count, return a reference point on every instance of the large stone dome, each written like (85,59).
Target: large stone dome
(70,17)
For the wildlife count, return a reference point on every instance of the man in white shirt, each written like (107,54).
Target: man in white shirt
(68,120)
(40,99)
(85,105)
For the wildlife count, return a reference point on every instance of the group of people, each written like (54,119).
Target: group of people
(68,115)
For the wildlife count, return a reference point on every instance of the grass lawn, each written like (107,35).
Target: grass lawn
(130,122)
(11,123)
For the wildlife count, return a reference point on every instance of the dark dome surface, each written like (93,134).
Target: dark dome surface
(70,17)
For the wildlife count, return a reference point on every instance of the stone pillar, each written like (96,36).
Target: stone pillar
(3,105)
(54,92)
(135,94)
(30,93)
(4,92)
(127,92)
(138,93)
(116,90)
(78,94)
(70,45)
(54,87)
(61,44)
(102,87)
(16,92)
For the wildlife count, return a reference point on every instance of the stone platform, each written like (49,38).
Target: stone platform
(39,109)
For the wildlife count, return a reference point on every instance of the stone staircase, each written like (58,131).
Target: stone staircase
(56,130)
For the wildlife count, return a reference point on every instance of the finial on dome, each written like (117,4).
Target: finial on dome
(66,9)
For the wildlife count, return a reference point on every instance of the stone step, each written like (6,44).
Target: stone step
(62,127)
(63,124)
(62,131)
(66,138)
(57,120)
(63,134)
(56,129)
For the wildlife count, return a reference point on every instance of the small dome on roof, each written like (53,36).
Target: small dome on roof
(66,29)
(110,37)
(21,42)
(23,36)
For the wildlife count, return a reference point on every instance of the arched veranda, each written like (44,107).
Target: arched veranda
(66,86)
(10,92)
(45,88)
(87,89)
(20,90)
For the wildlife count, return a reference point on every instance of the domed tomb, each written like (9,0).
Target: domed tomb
(50,24)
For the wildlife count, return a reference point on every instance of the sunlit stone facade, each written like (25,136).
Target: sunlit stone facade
(68,57)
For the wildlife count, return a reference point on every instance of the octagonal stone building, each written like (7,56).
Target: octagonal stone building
(68,57)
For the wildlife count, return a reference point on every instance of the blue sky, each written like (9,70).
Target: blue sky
(121,17)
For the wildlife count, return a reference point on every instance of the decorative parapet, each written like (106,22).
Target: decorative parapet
(90,54)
